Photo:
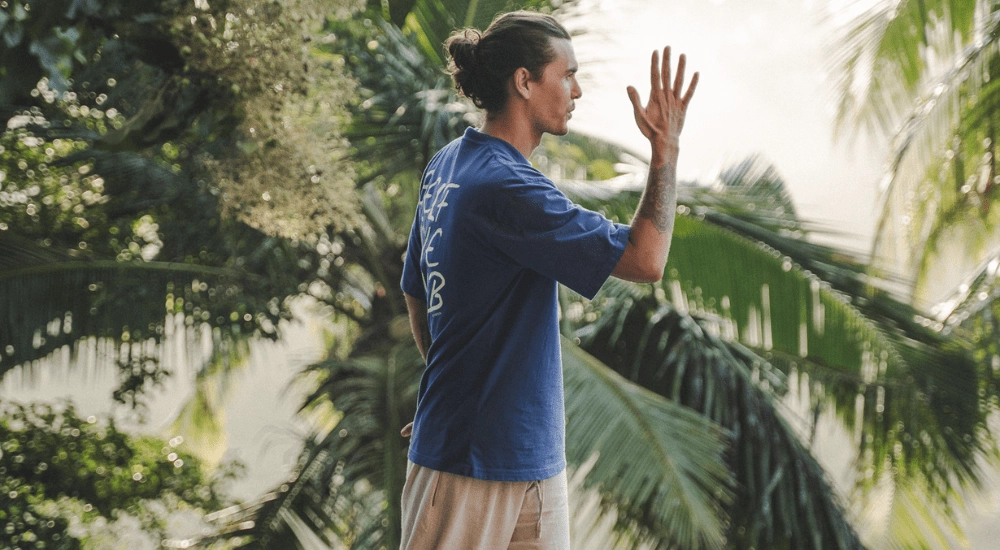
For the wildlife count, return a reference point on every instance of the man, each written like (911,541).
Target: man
(491,239)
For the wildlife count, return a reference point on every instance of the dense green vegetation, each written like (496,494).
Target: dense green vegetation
(203,164)
(65,478)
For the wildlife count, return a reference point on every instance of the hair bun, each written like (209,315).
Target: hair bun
(462,49)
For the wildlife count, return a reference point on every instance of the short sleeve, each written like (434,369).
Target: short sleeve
(412,282)
(538,227)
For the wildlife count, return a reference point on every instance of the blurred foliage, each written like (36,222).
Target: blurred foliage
(172,125)
(882,58)
(63,476)
(924,73)
(165,167)
(782,497)
(228,89)
(741,269)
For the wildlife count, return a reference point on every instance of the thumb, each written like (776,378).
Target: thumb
(633,95)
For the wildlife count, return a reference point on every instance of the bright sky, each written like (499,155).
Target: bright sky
(762,91)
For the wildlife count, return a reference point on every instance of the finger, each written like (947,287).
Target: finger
(654,73)
(666,68)
(691,87)
(679,80)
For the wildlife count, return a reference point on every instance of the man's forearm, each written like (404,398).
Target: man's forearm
(659,199)
(653,222)
(418,324)
(645,256)
(424,341)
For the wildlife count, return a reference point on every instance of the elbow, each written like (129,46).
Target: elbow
(651,273)
(638,267)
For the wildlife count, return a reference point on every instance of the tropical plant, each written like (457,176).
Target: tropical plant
(130,167)
(795,304)
(922,73)
(65,478)
(127,190)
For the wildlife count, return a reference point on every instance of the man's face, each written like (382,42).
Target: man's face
(553,94)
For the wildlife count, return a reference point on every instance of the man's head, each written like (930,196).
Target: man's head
(523,54)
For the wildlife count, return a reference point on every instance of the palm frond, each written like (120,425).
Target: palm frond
(885,52)
(740,261)
(593,524)
(350,475)
(407,108)
(903,519)
(935,197)
(741,258)
(971,298)
(658,465)
(432,21)
(801,319)
(783,499)
(50,299)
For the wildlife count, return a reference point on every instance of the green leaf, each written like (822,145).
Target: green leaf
(782,497)
(50,299)
(880,58)
(355,467)
(658,464)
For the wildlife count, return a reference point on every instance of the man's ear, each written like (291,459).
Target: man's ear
(521,80)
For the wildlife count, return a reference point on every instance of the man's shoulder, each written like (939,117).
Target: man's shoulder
(503,169)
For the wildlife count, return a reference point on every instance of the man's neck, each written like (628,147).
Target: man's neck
(516,131)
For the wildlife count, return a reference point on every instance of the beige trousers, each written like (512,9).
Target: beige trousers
(443,511)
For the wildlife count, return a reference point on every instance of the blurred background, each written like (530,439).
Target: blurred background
(204,205)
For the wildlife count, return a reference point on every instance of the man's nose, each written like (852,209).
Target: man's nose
(576,92)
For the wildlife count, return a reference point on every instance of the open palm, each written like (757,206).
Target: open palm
(663,116)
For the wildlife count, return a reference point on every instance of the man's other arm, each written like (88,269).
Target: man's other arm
(660,121)
(421,335)
(418,324)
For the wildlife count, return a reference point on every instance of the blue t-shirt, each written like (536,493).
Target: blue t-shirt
(491,238)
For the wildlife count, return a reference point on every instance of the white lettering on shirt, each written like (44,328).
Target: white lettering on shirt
(432,203)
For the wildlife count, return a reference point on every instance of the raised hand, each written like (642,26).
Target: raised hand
(662,119)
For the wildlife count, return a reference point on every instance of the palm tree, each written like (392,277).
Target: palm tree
(921,73)
(801,303)
(114,118)
(124,191)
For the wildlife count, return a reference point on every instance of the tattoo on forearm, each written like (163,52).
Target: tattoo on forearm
(659,200)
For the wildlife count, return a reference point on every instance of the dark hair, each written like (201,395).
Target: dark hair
(481,63)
